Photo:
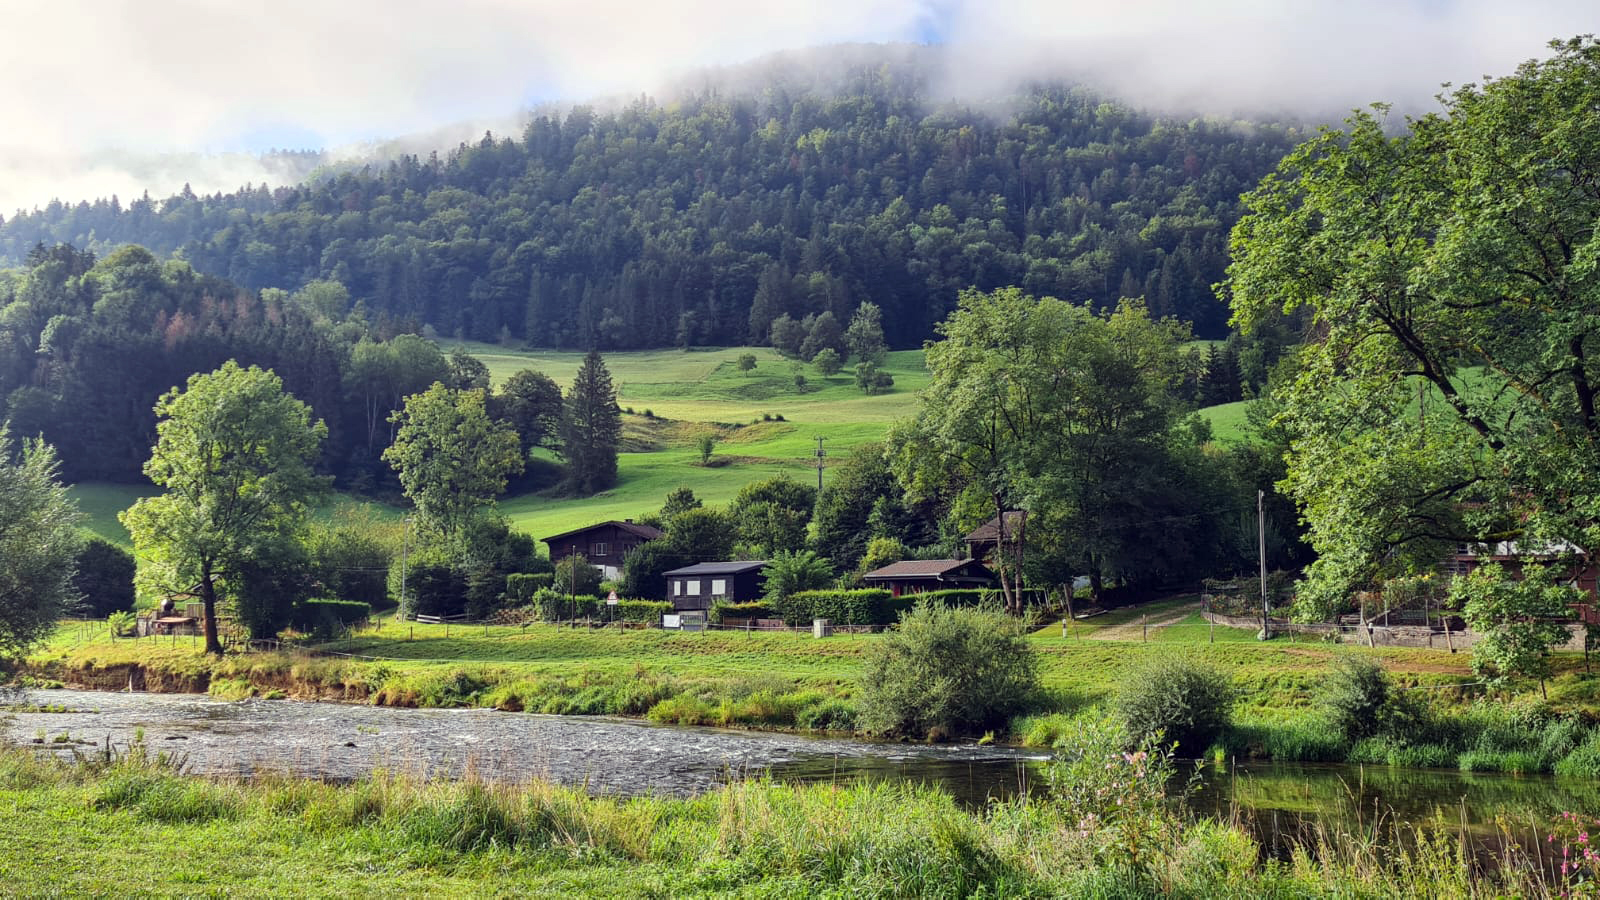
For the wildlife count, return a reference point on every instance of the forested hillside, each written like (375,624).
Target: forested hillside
(702,219)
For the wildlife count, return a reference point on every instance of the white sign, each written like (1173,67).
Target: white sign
(612,599)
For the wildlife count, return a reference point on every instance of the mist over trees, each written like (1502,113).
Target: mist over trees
(706,220)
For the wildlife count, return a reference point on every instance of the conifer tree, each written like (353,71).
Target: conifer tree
(592,428)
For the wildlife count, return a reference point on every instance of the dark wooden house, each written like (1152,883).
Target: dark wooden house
(698,586)
(986,537)
(914,576)
(603,545)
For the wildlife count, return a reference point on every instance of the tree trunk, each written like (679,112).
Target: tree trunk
(1002,563)
(208,595)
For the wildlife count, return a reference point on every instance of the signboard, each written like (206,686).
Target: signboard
(612,599)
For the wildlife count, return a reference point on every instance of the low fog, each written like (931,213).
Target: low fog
(103,99)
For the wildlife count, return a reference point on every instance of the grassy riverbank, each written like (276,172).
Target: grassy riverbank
(762,680)
(132,826)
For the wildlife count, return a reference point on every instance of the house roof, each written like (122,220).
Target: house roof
(922,568)
(643,531)
(720,568)
(990,530)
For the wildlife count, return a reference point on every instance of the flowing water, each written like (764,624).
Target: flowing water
(1278,801)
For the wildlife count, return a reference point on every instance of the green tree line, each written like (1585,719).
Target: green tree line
(707,218)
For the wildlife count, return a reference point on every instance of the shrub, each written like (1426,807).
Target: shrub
(648,611)
(121,623)
(576,567)
(829,715)
(1354,696)
(323,616)
(871,606)
(962,597)
(1183,701)
(521,586)
(104,577)
(752,610)
(1584,760)
(950,671)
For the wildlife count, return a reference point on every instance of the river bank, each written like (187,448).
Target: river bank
(500,804)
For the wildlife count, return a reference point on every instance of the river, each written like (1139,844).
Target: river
(1279,801)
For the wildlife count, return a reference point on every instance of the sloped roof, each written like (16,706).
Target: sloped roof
(646,532)
(720,568)
(920,568)
(990,530)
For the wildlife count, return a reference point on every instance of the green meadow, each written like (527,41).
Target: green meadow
(686,394)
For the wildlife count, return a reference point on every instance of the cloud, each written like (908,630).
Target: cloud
(92,93)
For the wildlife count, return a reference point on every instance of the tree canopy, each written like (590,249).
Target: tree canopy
(452,458)
(39,545)
(234,454)
(1452,273)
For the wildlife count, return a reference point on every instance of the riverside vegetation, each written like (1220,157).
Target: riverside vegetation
(1109,826)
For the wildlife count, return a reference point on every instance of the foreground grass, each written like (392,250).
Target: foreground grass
(132,826)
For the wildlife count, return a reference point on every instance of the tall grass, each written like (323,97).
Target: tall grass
(855,839)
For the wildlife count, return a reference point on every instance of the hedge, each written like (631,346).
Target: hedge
(521,586)
(960,596)
(872,606)
(753,610)
(312,614)
(646,611)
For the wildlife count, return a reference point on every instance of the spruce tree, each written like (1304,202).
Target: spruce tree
(592,428)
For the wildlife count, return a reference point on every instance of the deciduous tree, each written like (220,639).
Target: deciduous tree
(234,454)
(453,460)
(1449,393)
(39,545)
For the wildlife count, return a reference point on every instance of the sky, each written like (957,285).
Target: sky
(118,96)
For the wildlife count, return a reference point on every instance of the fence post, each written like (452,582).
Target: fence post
(1213,630)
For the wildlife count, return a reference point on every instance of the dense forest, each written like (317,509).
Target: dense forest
(703,218)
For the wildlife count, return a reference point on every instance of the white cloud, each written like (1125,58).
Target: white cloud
(90,89)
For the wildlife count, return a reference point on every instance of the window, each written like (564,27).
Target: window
(694,587)
(597,549)
(719,587)
(677,588)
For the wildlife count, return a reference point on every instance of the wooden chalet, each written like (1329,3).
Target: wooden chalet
(604,545)
(1512,558)
(698,586)
(915,576)
(986,537)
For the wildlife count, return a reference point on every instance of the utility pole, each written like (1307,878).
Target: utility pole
(405,566)
(1261,536)
(572,582)
(821,454)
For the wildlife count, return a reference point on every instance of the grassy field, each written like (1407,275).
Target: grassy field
(100,502)
(687,393)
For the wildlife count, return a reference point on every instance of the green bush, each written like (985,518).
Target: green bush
(555,606)
(948,671)
(1183,701)
(647,611)
(104,578)
(829,715)
(521,586)
(1354,697)
(872,606)
(962,597)
(327,615)
(752,610)
(1584,760)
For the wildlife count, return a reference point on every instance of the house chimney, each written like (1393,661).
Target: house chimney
(628,521)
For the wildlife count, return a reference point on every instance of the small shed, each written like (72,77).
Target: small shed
(914,576)
(699,585)
(604,545)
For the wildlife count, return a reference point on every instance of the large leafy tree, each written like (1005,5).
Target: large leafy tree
(1452,273)
(531,402)
(38,545)
(1040,403)
(592,428)
(234,454)
(452,458)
